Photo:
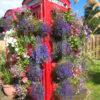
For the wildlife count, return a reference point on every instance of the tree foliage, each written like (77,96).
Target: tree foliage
(89,18)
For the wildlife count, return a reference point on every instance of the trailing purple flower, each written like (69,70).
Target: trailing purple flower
(37,91)
(24,26)
(63,71)
(34,73)
(62,49)
(65,90)
(44,29)
(40,54)
(66,48)
(60,28)
(18,90)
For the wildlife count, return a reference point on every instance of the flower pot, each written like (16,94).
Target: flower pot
(9,90)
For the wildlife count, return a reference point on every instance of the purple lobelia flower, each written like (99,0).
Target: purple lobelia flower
(39,39)
(18,90)
(81,85)
(37,91)
(61,27)
(40,54)
(24,26)
(65,90)
(63,48)
(44,29)
(34,73)
(66,48)
(64,71)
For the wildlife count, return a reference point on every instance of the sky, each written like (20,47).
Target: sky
(78,8)
(9,4)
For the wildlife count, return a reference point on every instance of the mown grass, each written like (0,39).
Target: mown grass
(93,82)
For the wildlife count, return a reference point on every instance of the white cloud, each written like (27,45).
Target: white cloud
(8,4)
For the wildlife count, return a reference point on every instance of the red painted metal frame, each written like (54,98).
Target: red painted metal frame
(46,7)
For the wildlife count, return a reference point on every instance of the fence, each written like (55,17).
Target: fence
(93,47)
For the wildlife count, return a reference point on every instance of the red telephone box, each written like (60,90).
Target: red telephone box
(42,10)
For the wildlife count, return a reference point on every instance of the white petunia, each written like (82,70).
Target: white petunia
(10,40)
(85,32)
(16,49)
(10,32)
(25,55)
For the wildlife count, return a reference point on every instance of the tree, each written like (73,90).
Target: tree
(92,15)
(1,22)
(91,19)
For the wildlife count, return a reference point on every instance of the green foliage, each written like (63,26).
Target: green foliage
(30,39)
(2,22)
(23,62)
(20,46)
(74,81)
(12,50)
(7,76)
(2,62)
(75,42)
(89,13)
(4,72)
(68,16)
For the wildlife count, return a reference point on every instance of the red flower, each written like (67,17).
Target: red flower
(30,90)
(76,71)
(53,64)
(24,79)
(29,52)
(27,69)
(23,74)
(29,49)
(14,58)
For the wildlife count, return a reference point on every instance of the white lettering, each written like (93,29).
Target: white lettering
(59,3)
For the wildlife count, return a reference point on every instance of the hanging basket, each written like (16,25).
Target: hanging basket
(9,90)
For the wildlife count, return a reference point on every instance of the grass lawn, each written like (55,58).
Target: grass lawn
(93,82)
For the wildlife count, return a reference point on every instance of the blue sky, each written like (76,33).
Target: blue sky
(79,7)
(9,4)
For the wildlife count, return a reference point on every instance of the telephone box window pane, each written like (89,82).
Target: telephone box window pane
(33,2)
